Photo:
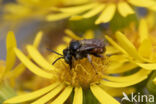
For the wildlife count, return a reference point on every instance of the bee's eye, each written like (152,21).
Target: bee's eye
(74,45)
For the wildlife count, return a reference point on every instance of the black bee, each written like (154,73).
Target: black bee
(79,49)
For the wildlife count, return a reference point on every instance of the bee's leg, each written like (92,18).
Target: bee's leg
(72,62)
(109,55)
(98,55)
(90,60)
(70,65)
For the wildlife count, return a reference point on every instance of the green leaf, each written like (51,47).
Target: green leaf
(118,22)
(80,26)
(88,97)
(6,91)
(150,85)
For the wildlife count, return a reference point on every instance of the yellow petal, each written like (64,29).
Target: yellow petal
(125,83)
(102,96)
(59,16)
(16,72)
(38,58)
(127,45)
(142,3)
(60,48)
(37,40)
(10,45)
(63,96)
(138,75)
(107,14)
(115,44)
(75,18)
(154,80)
(31,66)
(2,70)
(110,49)
(89,35)
(78,96)
(118,92)
(143,31)
(78,9)
(72,35)
(145,48)
(125,67)
(97,9)
(125,9)
(67,39)
(153,7)
(115,65)
(149,66)
(49,96)
(31,96)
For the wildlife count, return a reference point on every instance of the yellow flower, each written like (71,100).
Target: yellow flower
(8,71)
(142,52)
(10,58)
(106,9)
(81,77)
(28,9)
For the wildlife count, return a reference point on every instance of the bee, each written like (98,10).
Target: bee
(79,49)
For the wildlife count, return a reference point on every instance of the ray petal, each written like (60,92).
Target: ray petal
(143,31)
(107,14)
(154,80)
(16,72)
(145,48)
(10,45)
(78,96)
(138,75)
(89,35)
(31,66)
(125,83)
(57,17)
(97,9)
(115,45)
(153,7)
(127,45)
(78,9)
(63,96)
(149,66)
(72,35)
(125,9)
(102,96)
(142,3)
(125,67)
(117,92)
(50,95)
(66,39)
(37,40)
(31,96)
(38,58)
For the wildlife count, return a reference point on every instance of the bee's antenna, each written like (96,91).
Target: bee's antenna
(57,60)
(54,52)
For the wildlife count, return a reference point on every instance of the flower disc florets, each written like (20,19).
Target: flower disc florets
(83,73)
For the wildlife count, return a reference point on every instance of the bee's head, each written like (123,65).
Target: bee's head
(67,56)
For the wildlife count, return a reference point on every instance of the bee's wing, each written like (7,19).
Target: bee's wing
(89,44)
(86,48)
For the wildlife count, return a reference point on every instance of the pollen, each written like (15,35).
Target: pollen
(83,73)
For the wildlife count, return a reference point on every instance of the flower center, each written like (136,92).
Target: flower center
(83,73)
